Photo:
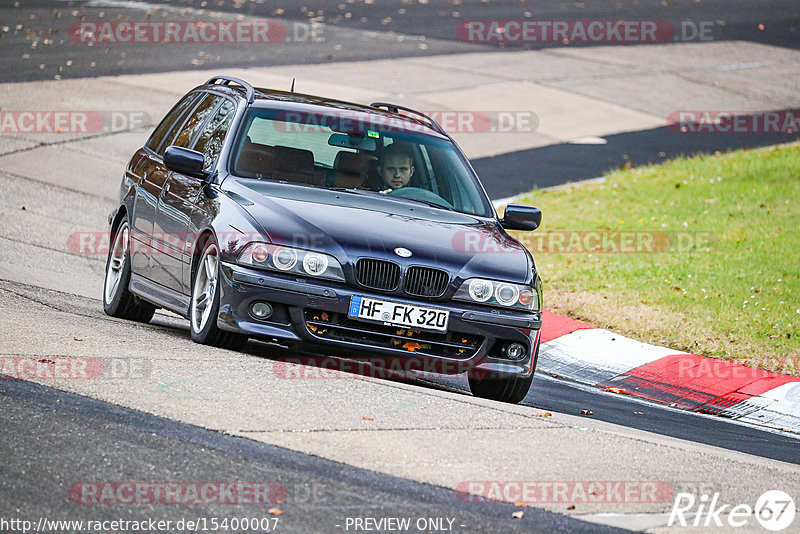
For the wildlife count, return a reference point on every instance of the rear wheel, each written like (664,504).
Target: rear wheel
(503,387)
(205,304)
(118,301)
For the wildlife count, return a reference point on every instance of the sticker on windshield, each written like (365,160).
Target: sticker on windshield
(373,133)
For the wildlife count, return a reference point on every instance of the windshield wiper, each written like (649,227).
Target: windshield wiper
(426,202)
(379,194)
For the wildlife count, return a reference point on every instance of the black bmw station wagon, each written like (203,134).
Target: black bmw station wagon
(327,226)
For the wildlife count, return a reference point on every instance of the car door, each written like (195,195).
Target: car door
(150,176)
(210,143)
(176,201)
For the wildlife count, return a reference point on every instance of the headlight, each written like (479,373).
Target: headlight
(480,290)
(315,264)
(495,293)
(283,258)
(291,260)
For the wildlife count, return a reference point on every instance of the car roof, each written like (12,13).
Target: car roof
(265,98)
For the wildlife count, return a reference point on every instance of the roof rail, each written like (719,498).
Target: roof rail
(394,108)
(250,92)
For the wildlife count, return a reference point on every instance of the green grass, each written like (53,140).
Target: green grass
(736,297)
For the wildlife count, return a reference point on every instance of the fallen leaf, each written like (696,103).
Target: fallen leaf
(639,413)
(368,418)
(571,507)
(518,515)
(613,390)
(412,346)
(587,412)
(77,338)
(520,504)
(275,511)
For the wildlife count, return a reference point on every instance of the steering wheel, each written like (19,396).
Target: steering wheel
(417,193)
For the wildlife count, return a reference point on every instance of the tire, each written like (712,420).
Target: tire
(204,306)
(118,301)
(502,387)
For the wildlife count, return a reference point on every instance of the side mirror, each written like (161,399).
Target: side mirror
(185,161)
(518,217)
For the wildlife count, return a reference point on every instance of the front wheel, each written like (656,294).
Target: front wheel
(205,304)
(502,387)
(118,301)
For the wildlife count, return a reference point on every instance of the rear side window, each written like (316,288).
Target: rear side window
(210,141)
(196,120)
(171,122)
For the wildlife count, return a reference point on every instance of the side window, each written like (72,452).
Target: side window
(171,122)
(195,121)
(210,141)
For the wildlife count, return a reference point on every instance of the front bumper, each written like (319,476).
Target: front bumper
(313,313)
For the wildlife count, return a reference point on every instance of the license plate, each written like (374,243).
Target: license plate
(397,314)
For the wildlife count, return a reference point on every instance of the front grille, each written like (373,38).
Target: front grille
(426,282)
(340,327)
(378,274)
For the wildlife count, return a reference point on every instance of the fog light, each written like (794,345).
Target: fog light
(515,351)
(262,310)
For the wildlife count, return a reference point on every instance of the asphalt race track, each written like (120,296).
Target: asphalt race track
(346,447)
(320,494)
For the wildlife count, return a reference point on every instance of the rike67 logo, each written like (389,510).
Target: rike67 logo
(774,510)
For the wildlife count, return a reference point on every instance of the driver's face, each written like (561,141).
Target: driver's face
(396,171)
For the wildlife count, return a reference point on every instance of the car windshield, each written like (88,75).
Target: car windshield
(349,150)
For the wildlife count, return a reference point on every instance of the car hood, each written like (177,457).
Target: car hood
(357,225)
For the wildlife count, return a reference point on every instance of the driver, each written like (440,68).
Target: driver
(395,167)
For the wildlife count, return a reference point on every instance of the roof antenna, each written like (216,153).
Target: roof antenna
(292,89)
